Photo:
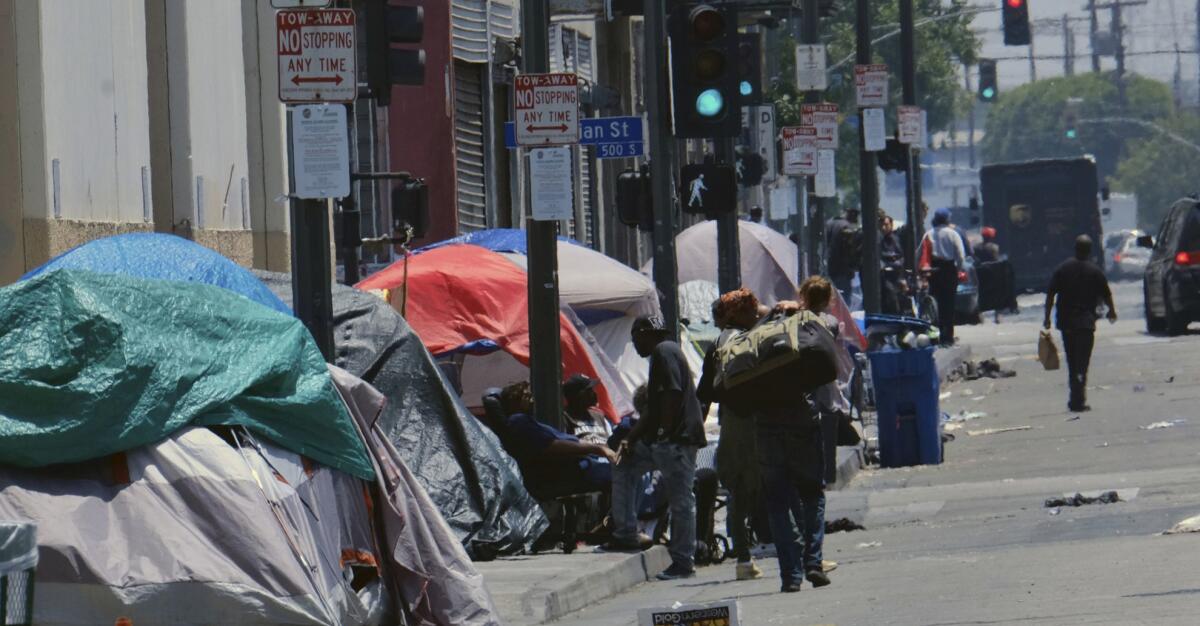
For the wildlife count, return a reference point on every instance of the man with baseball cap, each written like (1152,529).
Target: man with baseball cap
(665,438)
(583,419)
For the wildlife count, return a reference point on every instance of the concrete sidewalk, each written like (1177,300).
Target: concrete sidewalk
(544,587)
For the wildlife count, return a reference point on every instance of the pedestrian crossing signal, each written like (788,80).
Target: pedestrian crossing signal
(708,189)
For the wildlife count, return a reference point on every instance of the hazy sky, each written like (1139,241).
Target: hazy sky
(1158,25)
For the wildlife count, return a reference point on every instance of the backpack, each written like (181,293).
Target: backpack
(772,363)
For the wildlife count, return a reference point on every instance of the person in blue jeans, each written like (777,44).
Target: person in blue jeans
(665,438)
(791,459)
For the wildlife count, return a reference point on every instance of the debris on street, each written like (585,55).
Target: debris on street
(997,431)
(870,544)
(971,370)
(1163,424)
(842,525)
(1189,525)
(1108,497)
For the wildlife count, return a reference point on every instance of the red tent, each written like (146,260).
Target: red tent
(466,299)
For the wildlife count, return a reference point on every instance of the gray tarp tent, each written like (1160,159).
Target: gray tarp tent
(472,481)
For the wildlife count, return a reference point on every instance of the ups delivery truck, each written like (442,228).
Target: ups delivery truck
(1038,208)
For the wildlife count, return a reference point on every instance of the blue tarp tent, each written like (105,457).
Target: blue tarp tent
(165,257)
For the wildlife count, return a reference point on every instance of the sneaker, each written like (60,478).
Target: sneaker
(748,571)
(676,572)
(641,542)
(828,566)
(790,588)
(817,578)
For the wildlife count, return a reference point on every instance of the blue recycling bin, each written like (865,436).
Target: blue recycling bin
(906,402)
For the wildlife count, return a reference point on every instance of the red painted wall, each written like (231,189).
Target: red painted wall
(421,123)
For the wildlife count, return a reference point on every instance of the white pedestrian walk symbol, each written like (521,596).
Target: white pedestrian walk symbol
(698,188)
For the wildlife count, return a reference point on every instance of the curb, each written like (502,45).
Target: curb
(594,582)
(850,459)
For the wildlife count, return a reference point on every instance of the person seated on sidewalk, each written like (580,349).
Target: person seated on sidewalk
(553,463)
(582,418)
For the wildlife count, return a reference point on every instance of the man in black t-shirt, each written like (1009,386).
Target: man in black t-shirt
(665,438)
(1079,286)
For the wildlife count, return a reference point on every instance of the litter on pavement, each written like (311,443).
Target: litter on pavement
(870,544)
(1108,497)
(970,370)
(842,525)
(1189,525)
(1163,424)
(996,431)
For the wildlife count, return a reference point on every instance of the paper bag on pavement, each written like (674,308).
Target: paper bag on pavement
(1047,351)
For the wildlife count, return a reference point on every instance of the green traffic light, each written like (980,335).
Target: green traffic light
(989,93)
(1071,133)
(710,103)
(746,88)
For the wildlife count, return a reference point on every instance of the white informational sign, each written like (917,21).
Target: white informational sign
(547,109)
(826,181)
(911,129)
(552,189)
(871,85)
(315,49)
(299,4)
(763,128)
(724,613)
(783,201)
(799,150)
(824,118)
(874,130)
(810,67)
(320,152)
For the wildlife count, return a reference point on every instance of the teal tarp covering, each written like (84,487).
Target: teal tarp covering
(93,364)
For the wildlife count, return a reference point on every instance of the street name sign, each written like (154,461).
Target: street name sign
(910,125)
(613,137)
(871,85)
(551,186)
(824,118)
(315,48)
(810,67)
(547,109)
(799,150)
(320,152)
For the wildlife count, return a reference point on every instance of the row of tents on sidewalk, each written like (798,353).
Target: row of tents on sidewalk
(189,458)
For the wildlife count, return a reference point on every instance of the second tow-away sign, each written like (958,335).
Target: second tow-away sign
(547,108)
(316,55)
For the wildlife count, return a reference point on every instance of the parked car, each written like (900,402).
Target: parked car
(1130,260)
(966,300)
(1113,242)
(1172,278)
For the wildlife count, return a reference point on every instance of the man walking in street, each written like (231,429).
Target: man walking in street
(840,235)
(1079,286)
(737,460)
(665,438)
(942,256)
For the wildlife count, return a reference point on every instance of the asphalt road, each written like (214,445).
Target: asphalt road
(970,542)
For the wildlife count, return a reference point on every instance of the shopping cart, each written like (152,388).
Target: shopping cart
(18,560)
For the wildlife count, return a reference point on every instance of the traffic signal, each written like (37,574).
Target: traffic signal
(1071,125)
(708,189)
(410,206)
(1016,22)
(987,80)
(750,167)
(704,82)
(635,205)
(387,66)
(750,72)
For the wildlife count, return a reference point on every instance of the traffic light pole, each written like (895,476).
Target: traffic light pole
(312,274)
(729,250)
(912,173)
(870,186)
(812,230)
(662,176)
(545,351)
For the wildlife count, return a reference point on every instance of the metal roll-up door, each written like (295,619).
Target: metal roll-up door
(469,147)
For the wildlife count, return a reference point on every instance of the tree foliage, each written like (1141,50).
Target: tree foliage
(1161,170)
(1030,121)
(942,47)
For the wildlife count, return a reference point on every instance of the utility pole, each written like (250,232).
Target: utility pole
(814,222)
(970,121)
(658,102)
(545,349)
(1095,27)
(869,185)
(912,174)
(1068,47)
(729,248)
(1032,58)
(1118,30)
